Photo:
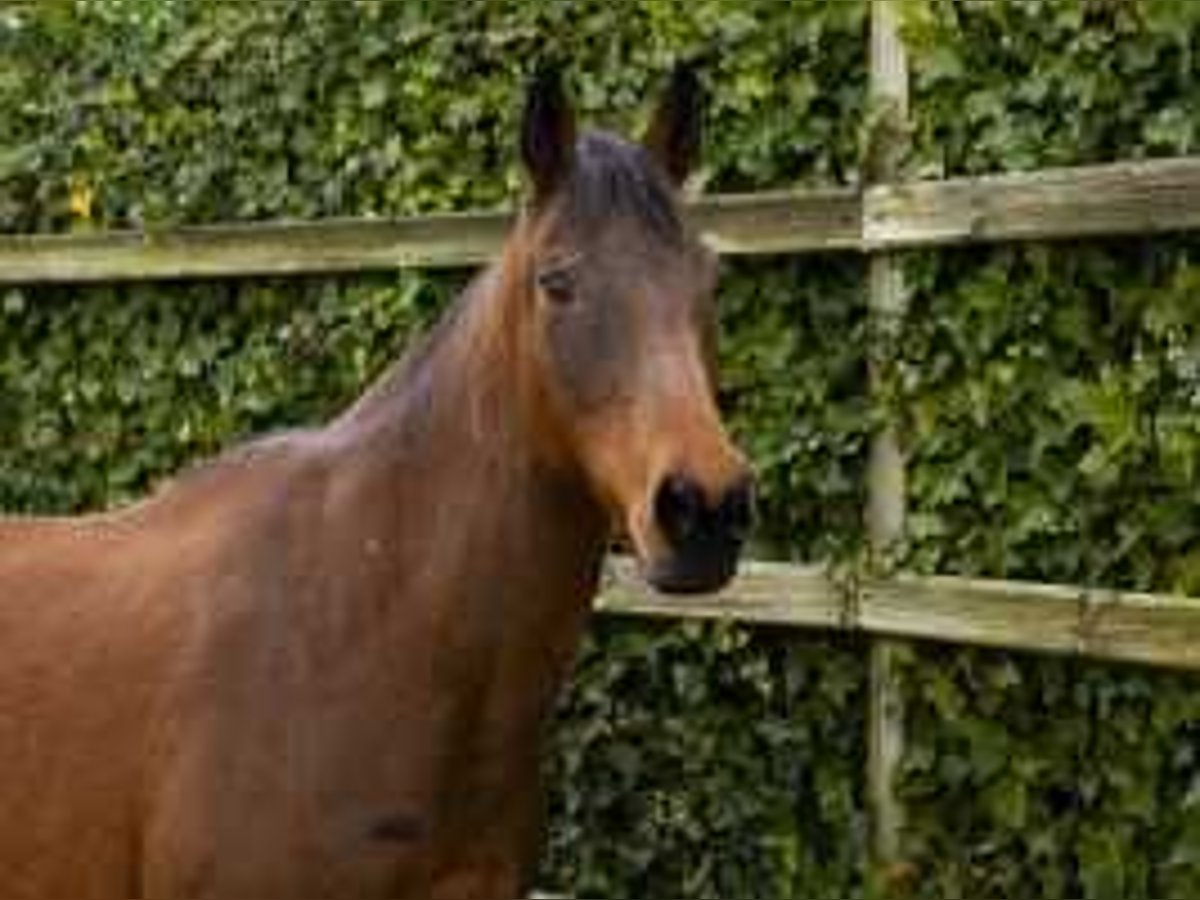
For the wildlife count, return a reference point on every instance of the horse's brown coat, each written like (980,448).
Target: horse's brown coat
(320,665)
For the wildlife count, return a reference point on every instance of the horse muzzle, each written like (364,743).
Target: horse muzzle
(703,538)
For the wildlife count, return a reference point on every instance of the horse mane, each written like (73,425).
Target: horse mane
(612,179)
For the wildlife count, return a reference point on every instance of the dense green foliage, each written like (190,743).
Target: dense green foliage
(174,111)
(1051,396)
(1024,84)
(709,762)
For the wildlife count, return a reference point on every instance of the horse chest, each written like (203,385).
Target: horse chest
(450,741)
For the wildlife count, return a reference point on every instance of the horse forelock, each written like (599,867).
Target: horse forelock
(616,180)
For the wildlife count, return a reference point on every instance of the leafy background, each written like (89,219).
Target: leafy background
(1050,394)
(1052,402)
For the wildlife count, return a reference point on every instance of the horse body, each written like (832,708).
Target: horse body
(321,665)
(325,628)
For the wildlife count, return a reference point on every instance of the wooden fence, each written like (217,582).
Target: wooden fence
(885,216)
(1147,197)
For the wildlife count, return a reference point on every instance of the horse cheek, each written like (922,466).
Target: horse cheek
(589,359)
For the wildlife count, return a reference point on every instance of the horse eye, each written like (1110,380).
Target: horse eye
(558,283)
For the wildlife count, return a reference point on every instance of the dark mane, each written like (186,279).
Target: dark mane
(615,178)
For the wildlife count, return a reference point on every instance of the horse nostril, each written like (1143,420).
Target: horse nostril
(679,507)
(736,510)
(683,512)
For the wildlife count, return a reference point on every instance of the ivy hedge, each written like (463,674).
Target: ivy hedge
(1052,401)
(1050,395)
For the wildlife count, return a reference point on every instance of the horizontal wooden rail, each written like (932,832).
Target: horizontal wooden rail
(1148,197)
(763,594)
(1122,198)
(1156,630)
(252,249)
(776,222)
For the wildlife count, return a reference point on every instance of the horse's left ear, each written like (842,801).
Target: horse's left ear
(547,132)
(673,137)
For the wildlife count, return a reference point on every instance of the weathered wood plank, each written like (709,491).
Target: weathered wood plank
(807,221)
(763,594)
(1123,198)
(982,613)
(1148,197)
(781,222)
(1153,629)
(252,249)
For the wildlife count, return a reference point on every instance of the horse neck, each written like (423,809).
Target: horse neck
(465,413)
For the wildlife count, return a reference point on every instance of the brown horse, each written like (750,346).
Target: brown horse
(321,665)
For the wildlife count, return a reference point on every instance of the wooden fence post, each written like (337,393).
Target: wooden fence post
(885,487)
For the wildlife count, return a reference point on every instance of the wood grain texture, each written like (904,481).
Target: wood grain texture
(808,221)
(252,249)
(778,222)
(886,492)
(763,594)
(1154,629)
(1148,197)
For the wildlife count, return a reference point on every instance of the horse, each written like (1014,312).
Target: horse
(322,664)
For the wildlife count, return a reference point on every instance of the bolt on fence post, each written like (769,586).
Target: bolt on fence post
(886,140)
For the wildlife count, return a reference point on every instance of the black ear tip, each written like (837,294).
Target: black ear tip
(685,80)
(685,74)
(547,80)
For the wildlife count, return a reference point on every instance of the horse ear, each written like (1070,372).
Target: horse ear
(673,137)
(547,132)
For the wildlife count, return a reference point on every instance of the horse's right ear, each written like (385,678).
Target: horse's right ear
(674,134)
(547,132)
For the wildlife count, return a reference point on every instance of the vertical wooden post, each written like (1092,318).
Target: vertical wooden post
(885,487)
